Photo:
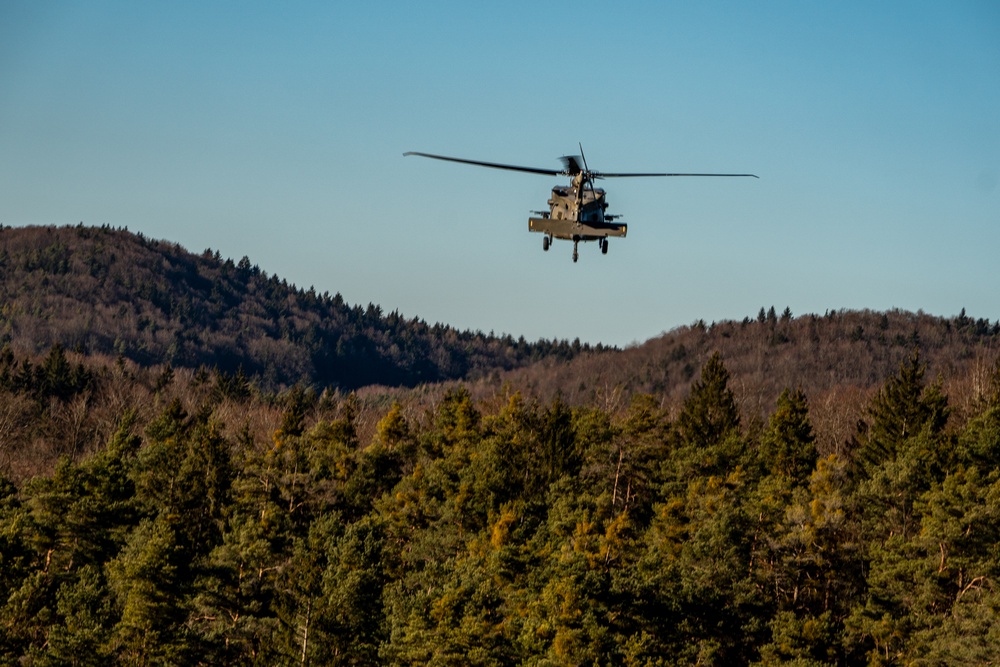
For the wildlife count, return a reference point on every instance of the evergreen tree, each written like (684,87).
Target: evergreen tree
(56,372)
(707,439)
(808,563)
(185,475)
(148,591)
(642,446)
(357,572)
(17,567)
(457,420)
(903,451)
(929,596)
(902,409)
(86,615)
(709,414)
(788,446)
(507,469)
(234,592)
(299,601)
(559,453)
(84,511)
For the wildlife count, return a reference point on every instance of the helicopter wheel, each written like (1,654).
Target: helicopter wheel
(604,246)
(545,243)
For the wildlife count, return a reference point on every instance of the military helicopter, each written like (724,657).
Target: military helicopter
(577,212)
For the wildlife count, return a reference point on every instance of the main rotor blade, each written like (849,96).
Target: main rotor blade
(493,165)
(600,174)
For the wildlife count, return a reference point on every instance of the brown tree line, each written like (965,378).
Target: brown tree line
(839,359)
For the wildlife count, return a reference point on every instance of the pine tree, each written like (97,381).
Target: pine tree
(709,413)
(86,615)
(356,574)
(559,453)
(788,446)
(641,446)
(929,592)
(903,408)
(56,372)
(148,590)
(903,450)
(707,438)
(185,474)
(18,565)
(808,563)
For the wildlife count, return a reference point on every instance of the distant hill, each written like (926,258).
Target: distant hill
(771,352)
(105,291)
(838,359)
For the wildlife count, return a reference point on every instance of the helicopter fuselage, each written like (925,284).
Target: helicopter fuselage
(577,213)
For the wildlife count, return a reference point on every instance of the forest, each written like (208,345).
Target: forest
(201,464)
(505,531)
(111,292)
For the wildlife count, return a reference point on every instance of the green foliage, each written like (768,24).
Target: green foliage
(523,533)
(147,584)
(788,446)
(710,413)
(902,410)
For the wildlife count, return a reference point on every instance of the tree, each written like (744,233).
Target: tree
(639,447)
(357,572)
(148,592)
(559,453)
(82,635)
(706,439)
(709,413)
(299,601)
(902,409)
(788,446)
(83,511)
(808,564)
(506,467)
(185,475)
(930,592)
(457,420)
(17,567)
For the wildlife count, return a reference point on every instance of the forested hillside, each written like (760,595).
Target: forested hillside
(770,352)
(838,359)
(217,526)
(103,291)
(187,478)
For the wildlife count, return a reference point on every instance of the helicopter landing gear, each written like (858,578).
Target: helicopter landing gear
(604,246)
(576,255)
(545,243)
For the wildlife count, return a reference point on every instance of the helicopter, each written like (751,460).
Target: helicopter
(578,211)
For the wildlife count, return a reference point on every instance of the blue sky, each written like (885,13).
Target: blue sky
(276,131)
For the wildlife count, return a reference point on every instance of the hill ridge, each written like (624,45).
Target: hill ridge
(106,291)
(102,290)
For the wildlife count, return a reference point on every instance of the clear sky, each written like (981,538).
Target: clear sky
(276,131)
